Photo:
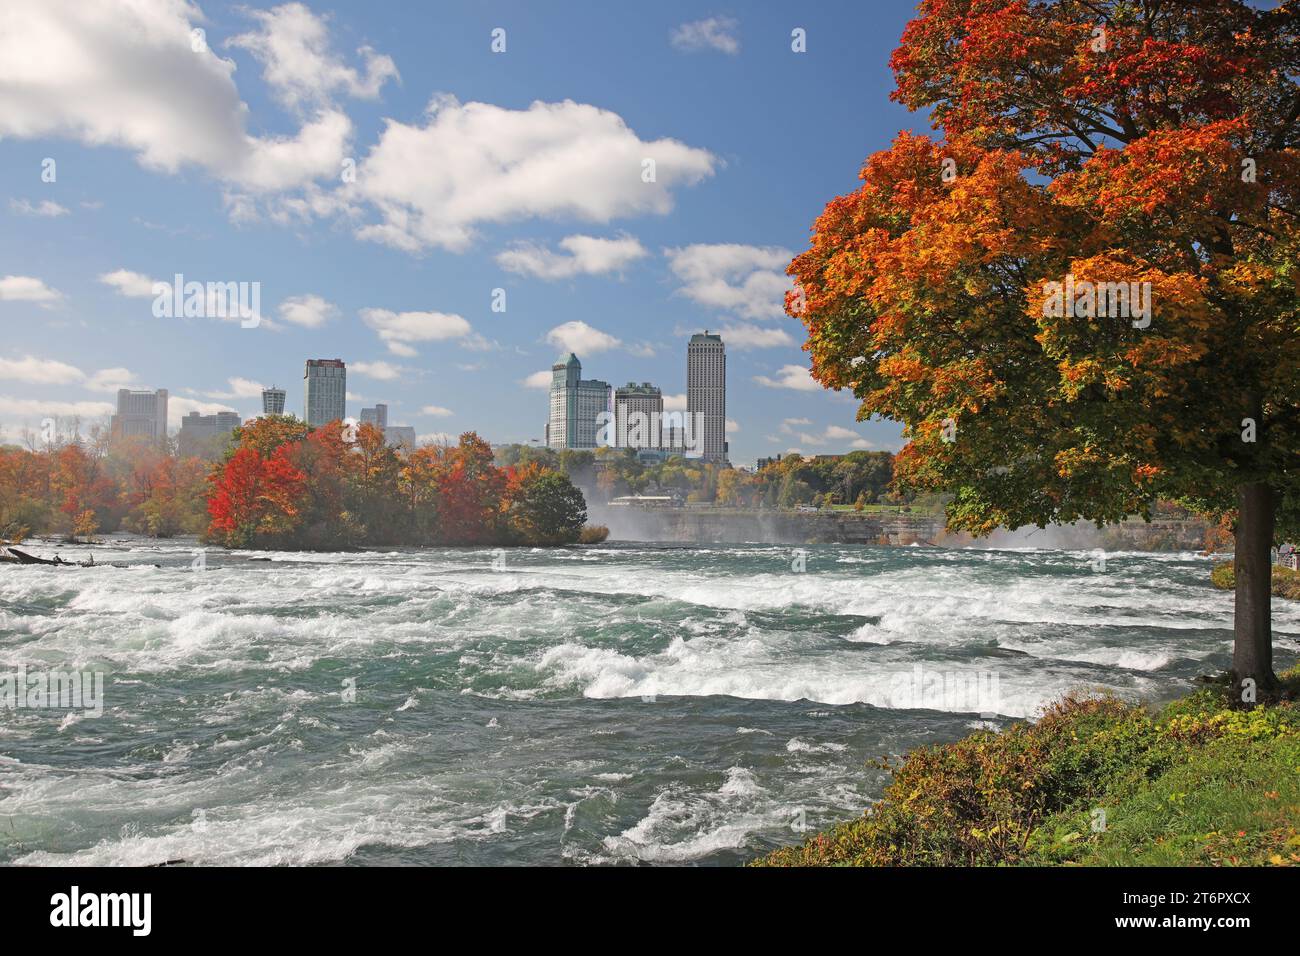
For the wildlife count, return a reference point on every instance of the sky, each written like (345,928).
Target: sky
(384,175)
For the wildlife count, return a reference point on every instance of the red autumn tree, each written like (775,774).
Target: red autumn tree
(1084,296)
(255,500)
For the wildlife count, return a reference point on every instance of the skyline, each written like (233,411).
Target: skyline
(290,154)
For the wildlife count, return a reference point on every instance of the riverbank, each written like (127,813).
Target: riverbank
(1096,782)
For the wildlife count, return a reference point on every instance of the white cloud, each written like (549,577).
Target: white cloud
(713,33)
(399,329)
(309,311)
(37,371)
(540,379)
(732,426)
(552,160)
(293,46)
(47,208)
(19,407)
(129,283)
(27,289)
(748,336)
(582,255)
(675,403)
(436,411)
(581,338)
(110,380)
(384,371)
(746,280)
(239,388)
(794,377)
(795,421)
(125,73)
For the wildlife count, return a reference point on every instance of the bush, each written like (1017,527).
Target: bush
(1286,582)
(593,534)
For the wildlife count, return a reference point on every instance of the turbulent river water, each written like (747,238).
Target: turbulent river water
(613,704)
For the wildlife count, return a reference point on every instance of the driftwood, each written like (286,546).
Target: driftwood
(14,556)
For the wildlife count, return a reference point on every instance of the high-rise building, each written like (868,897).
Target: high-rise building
(638,415)
(325,390)
(706,393)
(140,413)
(400,436)
(198,433)
(575,406)
(376,416)
(272,401)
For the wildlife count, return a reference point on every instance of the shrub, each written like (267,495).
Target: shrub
(593,534)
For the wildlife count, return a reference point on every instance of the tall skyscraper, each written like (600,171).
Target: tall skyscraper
(140,413)
(272,401)
(575,406)
(638,415)
(325,390)
(706,393)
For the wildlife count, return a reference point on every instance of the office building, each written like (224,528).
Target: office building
(575,406)
(638,415)
(140,414)
(201,435)
(272,401)
(325,389)
(706,393)
(377,416)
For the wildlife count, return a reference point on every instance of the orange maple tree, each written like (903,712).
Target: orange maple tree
(1082,297)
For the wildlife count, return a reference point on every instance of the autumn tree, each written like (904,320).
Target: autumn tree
(1082,297)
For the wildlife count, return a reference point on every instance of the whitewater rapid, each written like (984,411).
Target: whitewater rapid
(591,705)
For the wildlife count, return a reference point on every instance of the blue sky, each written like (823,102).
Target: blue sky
(226,163)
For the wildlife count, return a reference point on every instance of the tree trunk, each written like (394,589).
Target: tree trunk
(1252,651)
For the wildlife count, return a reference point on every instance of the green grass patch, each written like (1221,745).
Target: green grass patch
(1095,782)
(1286,582)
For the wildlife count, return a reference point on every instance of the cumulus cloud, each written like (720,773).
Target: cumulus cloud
(48,208)
(385,371)
(437,411)
(292,43)
(134,74)
(128,283)
(675,403)
(552,160)
(239,388)
(399,330)
(38,371)
(308,311)
(746,280)
(747,336)
(27,289)
(24,407)
(713,33)
(581,255)
(581,338)
(540,380)
(794,377)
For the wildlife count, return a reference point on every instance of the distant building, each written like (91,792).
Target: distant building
(575,406)
(140,413)
(272,401)
(199,434)
(325,390)
(706,393)
(375,416)
(400,436)
(764,462)
(641,407)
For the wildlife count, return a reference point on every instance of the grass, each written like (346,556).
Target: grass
(1286,582)
(1096,782)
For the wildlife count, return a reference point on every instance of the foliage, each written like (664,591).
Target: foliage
(1286,582)
(1199,782)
